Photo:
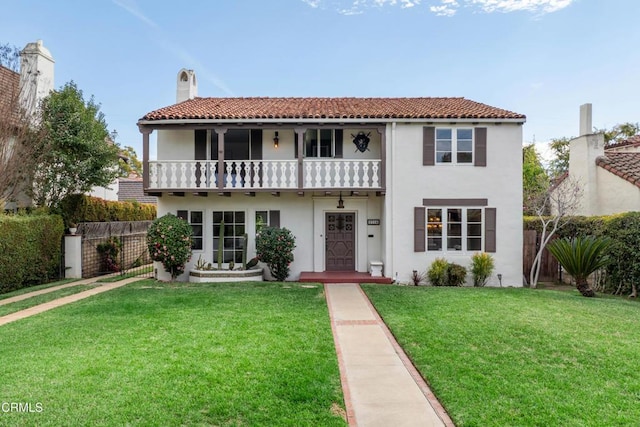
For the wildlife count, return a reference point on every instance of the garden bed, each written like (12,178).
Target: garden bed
(218,276)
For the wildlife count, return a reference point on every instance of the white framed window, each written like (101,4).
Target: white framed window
(454,229)
(230,227)
(454,146)
(319,143)
(196,221)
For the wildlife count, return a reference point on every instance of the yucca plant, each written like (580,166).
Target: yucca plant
(580,257)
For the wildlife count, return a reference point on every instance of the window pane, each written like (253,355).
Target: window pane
(454,215)
(434,244)
(464,158)
(443,133)
(239,217)
(443,145)
(465,134)
(217,217)
(474,244)
(229,242)
(196,217)
(196,244)
(454,244)
(236,144)
(197,230)
(325,142)
(216,230)
(227,256)
(434,222)
(228,230)
(454,230)
(474,215)
(228,217)
(239,230)
(311,142)
(238,257)
(474,230)
(443,157)
(465,146)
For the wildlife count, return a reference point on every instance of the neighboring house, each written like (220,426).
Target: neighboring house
(131,189)
(608,175)
(34,82)
(357,180)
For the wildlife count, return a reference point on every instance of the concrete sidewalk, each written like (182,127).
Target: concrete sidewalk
(381,386)
(60,301)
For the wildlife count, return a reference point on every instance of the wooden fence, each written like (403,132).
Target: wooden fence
(549,271)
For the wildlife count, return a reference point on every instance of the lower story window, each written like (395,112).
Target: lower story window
(195,219)
(454,229)
(230,227)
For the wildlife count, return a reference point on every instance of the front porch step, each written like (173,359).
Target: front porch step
(341,277)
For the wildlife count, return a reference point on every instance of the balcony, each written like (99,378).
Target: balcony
(251,175)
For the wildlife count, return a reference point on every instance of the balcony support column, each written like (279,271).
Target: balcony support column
(300,141)
(383,154)
(145,131)
(220,132)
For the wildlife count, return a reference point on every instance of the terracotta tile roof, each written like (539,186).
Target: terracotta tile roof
(624,165)
(9,86)
(329,108)
(633,141)
(130,189)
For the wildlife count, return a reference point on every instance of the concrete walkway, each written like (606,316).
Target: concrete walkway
(60,301)
(381,386)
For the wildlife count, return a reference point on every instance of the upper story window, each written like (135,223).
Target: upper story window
(454,146)
(319,143)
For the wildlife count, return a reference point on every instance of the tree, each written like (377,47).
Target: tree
(21,141)
(580,257)
(560,162)
(619,132)
(78,156)
(169,242)
(132,165)
(534,178)
(560,201)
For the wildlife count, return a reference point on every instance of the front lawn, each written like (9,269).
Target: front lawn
(152,353)
(520,357)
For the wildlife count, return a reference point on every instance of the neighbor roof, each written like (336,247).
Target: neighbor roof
(633,141)
(624,165)
(329,108)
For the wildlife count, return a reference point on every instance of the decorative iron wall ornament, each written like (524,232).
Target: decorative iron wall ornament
(361,140)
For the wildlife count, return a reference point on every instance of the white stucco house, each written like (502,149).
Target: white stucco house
(608,175)
(401,181)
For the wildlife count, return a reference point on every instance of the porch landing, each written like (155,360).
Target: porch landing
(342,277)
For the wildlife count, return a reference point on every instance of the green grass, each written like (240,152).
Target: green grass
(152,353)
(41,299)
(520,357)
(35,288)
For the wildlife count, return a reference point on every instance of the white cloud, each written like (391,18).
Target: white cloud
(446,7)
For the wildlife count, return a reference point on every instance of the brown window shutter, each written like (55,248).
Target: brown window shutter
(338,143)
(214,145)
(480,149)
(295,145)
(490,229)
(274,219)
(419,223)
(184,215)
(429,146)
(256,144)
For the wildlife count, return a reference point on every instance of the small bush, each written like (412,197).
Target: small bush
(481,268)
(456,274)
(169,242)
(437,272)
(274,247)
(110,251)
(417,277)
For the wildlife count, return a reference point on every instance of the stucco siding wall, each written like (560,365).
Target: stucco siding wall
(500,182)
(614,194)
(175,145)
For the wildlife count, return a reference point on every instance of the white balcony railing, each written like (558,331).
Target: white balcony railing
(265,174)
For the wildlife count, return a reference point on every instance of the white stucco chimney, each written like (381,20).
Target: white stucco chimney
(36,74)
(586,127)
(187,86)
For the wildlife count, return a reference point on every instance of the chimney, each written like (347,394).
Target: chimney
(36,74)
(187,86)
(586,127)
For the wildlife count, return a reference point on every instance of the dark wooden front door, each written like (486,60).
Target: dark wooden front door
(340,235)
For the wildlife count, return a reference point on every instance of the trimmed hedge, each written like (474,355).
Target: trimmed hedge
(624,231)
(29,250)
(81,208)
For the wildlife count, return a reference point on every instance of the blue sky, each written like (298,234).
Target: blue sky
(542,58)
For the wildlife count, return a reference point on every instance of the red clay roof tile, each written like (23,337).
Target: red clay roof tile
(329,108)
(624,165)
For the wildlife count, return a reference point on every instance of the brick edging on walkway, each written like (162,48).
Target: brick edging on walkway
(415,374)
(351,417)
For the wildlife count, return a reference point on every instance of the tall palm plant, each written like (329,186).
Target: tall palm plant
(580,257)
